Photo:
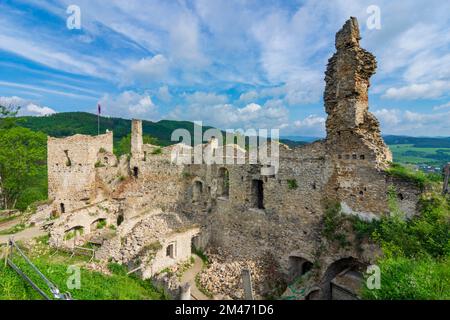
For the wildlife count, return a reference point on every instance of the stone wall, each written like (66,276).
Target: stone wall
(244,215)
(71,169)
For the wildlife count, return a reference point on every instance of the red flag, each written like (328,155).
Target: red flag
(99,109)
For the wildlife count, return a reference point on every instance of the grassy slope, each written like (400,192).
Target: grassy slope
(94,285)
(409,153)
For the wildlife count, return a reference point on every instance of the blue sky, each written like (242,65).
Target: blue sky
(231,64)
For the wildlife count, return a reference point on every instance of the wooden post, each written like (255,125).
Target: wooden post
(446,178)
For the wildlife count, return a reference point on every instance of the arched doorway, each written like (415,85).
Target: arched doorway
(342,279)
(73,233)
(298,266)
(98,224)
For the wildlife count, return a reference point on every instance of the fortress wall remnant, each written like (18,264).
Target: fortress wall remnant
(242,213)
(71,168)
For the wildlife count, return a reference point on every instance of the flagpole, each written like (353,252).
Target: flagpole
(98,119)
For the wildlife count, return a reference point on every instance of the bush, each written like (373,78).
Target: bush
(157,151)
(412,279)
(420,178)
(292,184)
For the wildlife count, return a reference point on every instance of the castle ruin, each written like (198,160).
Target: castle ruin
(146,210)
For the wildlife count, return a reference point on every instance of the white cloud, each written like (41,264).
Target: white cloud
(248,96)
(312,125)
(27,107)
(129,104)
(148,70)
(395,121)
(205,98)
(434,89)
(45,90)
(164,94)
(42,111)
(271,115)
(442,106)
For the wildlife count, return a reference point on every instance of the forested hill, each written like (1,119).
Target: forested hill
(419,142)
(69,123)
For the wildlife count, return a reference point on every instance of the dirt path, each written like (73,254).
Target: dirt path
(9,224)
(189,277)
(26,234)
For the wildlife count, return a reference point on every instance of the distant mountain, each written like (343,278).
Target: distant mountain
(419,142)
(69,123)
(300,138)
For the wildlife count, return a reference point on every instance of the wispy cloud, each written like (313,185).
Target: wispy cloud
(45,90)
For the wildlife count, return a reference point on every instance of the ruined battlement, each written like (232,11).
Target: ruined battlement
(71,167)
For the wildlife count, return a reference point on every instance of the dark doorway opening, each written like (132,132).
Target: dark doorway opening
(298,266)
(62,207)
(258,194)
(224,177)
(135,172)
(120,219)
(197,191)
(170,250)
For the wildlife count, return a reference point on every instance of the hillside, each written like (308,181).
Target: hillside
(69,123)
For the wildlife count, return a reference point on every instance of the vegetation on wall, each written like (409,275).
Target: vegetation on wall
(124,145)
(420,178)
(416,252)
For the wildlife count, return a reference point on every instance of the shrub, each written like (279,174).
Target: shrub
(157,151)
(292,184)
(99,164)
(420,178)
(101,224)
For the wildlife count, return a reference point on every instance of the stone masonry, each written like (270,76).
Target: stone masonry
(147,209)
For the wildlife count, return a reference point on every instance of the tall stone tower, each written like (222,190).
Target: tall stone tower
(136,137)
(350,125)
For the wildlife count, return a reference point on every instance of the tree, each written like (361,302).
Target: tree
(124,145)
(22,161)
(7,114)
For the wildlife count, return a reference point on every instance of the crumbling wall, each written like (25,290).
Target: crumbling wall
(71,168)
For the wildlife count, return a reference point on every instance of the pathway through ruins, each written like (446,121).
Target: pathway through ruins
(26,234)
(189,277)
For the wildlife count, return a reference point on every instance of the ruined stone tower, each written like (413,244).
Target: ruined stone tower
(349,121)
(136,137)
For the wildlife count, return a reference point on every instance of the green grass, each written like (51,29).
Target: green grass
(420,178)
(409,154)
(94,285)
(15,229)
(157,151)
(412,279)
(202,255)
